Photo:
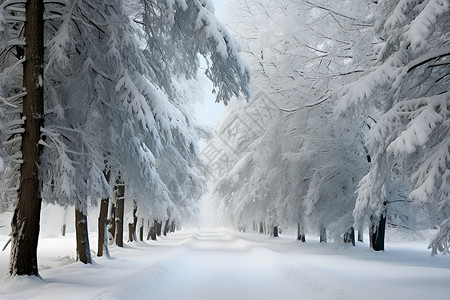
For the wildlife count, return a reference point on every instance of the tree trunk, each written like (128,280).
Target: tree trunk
(261,228)
(141,231)
(153,230)
(172,226)
(26,218)
(349,236)
(64,225)
(83,249)
(300,233)
(158,228)
(275,231)
(112,223)
(323,235)
(149,231)
(166,227)
(370,234)
(130,232)
(377,236)
(120,214)
(132,226)
(103,228)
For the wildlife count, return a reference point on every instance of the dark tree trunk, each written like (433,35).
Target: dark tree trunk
(103,228)
(130,232)
(120,201)
(300,233)
(275,231)
(112,223)
(166,227)
(172,226)
(149,232)
(159,228)
(25,222)
(81,227)
(132,226)
(153,230)
(370,235)
(377,236)
(349,236)
(141,231)
(261,228)
(323,235)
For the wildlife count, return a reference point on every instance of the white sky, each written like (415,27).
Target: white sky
(209,112)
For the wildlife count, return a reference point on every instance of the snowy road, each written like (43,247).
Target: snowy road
(215,264)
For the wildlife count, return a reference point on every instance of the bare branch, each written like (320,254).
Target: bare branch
(330,10)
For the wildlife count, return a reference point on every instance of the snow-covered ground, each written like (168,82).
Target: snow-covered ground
(215,264)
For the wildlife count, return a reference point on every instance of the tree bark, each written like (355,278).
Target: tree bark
(112,223)
(26,218)
(132,226)
(130,232)
(378,234)
(166,227)
(120,202)
(141,231)
(158,228)
(275,231)
(323,235)
(300,233)
(103,228)
(153,230)
(172,226)
(261,228)
(83,248)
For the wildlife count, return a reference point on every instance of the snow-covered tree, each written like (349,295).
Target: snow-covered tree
(407,91)
(289,162)
(11,59)
(25,223)
(108,106)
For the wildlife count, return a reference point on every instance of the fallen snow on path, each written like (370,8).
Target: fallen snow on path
(215,264)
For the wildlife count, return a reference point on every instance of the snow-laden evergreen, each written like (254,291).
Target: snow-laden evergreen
(11,59)
(113,100)
(408,88)
(117,104)
(289,163)
(293,158)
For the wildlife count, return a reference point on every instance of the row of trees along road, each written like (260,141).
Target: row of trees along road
(95,101)
(349,122)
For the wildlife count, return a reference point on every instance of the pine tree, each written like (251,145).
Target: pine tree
(406,91)
(283,151)
(25,222)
